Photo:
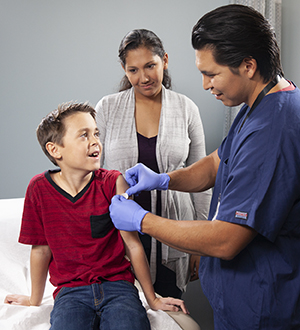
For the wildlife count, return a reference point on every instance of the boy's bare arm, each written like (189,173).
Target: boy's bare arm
(137,257)
(136,254)
(39,262)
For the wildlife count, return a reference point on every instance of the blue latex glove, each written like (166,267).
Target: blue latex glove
(140,178)
(126,214)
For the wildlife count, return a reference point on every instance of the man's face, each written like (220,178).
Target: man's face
(226,86)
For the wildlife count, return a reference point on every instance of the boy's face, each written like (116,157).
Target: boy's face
(81,148)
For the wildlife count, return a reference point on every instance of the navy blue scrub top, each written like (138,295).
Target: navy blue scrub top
(258,185)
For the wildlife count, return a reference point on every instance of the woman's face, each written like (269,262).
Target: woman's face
(145,71)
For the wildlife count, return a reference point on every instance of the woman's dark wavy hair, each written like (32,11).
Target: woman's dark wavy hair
(235,32)
(141,38)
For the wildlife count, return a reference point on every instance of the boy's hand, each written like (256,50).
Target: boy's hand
(169,304)
(141,178)
(17,299)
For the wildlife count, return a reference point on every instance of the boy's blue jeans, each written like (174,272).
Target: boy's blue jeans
(107,305)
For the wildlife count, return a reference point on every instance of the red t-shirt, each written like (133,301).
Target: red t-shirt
(86,247)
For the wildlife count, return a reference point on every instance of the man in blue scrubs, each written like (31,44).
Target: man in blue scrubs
(250,265)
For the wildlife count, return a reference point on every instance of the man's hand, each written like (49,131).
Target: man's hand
(126,214)
(141,178)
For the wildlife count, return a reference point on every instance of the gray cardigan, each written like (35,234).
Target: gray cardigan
(180,142)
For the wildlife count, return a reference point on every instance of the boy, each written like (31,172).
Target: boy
(66,220)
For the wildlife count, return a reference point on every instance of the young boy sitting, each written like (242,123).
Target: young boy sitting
(66,220)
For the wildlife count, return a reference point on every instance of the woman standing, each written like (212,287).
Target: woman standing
(148,123)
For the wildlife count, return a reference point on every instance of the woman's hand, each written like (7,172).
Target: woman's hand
(194,267)
(168,304)
(17,299)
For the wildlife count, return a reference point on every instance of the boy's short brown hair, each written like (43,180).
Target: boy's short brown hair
(52,128)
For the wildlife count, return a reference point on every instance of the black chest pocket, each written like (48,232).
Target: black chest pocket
(100,225)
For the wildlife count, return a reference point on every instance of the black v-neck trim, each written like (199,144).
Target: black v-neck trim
(63,192)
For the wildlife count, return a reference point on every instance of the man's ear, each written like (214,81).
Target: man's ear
(53,150)
(250,66)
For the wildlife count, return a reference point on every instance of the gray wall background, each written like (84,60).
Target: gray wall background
(61,50)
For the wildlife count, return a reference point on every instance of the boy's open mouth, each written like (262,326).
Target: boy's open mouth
(94,154)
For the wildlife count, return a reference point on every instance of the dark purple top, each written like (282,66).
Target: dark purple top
(147,156)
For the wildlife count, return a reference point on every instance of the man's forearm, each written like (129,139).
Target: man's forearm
(176,234)
(197,177)
(218,239)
